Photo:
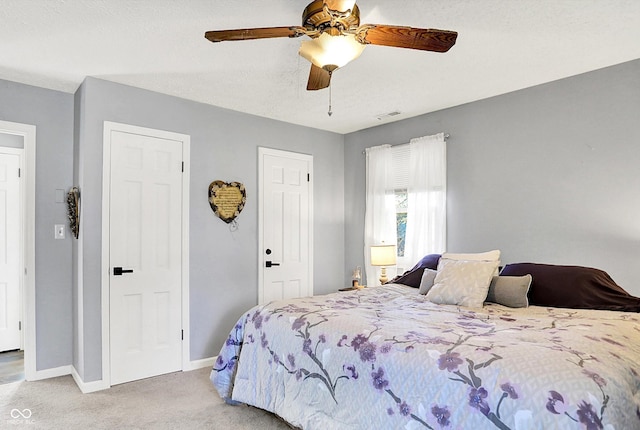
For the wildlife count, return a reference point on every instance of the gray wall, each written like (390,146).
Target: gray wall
(52,114)
(548,174)
(223,266)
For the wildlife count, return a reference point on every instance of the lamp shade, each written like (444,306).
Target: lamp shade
(330,52)
(383,255)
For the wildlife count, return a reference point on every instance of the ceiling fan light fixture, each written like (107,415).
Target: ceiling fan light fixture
(331,52)
(337,37)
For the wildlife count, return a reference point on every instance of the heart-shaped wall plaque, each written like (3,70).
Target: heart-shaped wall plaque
(227,199)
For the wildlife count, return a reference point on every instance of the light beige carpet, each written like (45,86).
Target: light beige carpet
(183,400)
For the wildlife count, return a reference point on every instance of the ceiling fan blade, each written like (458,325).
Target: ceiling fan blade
(319,78)
(426,39)
(254,33)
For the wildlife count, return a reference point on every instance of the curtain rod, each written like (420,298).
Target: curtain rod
(446,136)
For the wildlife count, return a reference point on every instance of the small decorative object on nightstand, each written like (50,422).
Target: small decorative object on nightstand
(356,278)
(383,255)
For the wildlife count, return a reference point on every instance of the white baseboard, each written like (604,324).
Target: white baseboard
(51,373)
(88,387)
(199,364)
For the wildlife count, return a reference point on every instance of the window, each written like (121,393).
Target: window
(406,200)
(400,156)
(402,199)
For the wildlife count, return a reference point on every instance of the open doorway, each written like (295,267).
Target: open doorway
(17,225)
(11,366)
(11,256)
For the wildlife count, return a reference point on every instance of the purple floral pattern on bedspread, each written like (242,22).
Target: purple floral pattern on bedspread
(387,358)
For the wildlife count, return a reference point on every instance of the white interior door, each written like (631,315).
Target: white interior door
(10,252)
(145,242)
(286,225)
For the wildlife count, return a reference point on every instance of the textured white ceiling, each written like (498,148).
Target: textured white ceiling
(503,45)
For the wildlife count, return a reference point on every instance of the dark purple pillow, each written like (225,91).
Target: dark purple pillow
(574,287)
(413,277)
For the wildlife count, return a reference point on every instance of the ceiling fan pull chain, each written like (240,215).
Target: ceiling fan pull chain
(329,113)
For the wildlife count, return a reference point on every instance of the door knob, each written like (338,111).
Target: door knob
(118,271)
(269,264)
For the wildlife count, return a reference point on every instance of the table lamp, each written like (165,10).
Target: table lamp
(383,255)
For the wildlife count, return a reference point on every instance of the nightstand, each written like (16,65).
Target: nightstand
(352,288)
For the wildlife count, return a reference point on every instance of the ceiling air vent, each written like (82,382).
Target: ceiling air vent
(387,115)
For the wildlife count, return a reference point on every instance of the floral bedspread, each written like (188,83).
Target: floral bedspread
(384,358)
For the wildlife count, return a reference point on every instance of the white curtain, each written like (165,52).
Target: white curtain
(427,198)
(380,216)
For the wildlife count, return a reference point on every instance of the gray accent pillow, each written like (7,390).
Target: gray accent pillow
(509,291)
(428,276)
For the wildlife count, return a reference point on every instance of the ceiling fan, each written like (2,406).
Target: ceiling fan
(337,37)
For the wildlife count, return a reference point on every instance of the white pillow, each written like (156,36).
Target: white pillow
(462,282)
(479,256)
(428,276)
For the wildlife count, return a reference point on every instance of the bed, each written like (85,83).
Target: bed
(389,357)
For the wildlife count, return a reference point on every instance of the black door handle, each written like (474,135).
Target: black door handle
(118,271)
(269,264)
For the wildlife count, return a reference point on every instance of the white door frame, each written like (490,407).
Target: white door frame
(28,170)
(106,188)
(262,152)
